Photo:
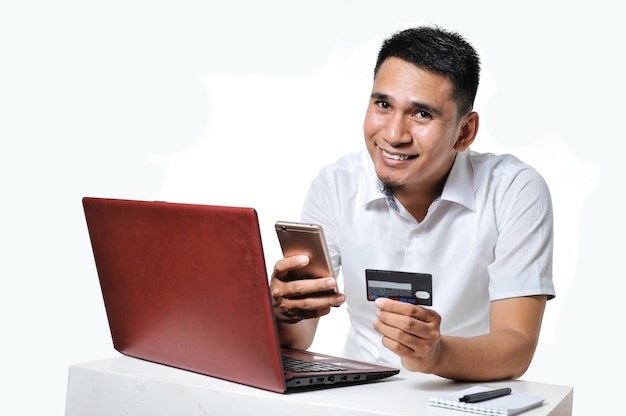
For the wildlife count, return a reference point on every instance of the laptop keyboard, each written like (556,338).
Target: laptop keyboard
(304,366)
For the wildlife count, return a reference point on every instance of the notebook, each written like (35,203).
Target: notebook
(186,286)
(511,404)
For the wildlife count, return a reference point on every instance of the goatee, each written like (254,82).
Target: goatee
(387,188)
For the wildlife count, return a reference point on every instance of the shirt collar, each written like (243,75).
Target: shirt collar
(459,186)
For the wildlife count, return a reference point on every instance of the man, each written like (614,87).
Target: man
(419,200)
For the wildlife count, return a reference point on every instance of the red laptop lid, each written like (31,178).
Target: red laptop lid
(168,299)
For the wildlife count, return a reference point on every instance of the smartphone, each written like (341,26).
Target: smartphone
(297,238)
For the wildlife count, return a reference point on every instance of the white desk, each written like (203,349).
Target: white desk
(127,386)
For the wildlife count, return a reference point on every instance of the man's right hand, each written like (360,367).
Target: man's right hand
(295,300)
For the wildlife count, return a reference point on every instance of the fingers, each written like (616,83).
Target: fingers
(405,309)
(283,266)
(283,286)
(301,304)
(299,299)
(292,311)
(407,329)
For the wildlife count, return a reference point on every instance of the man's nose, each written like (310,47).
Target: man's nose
(398,131)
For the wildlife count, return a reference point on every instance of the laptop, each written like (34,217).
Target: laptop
(186,286)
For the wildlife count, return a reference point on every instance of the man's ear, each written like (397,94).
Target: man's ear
(469,129)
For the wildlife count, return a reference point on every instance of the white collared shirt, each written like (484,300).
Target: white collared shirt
(488,237)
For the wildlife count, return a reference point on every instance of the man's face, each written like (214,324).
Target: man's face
(411,126)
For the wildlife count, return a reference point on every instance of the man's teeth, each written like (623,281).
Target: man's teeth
(395,157)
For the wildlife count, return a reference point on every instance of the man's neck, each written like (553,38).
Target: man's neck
(417,204)
(417,199)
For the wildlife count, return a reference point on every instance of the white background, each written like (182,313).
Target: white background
(241,103)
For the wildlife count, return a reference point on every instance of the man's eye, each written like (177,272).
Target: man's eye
(382,104)
(422,114)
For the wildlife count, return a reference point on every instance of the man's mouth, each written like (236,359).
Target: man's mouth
(397,157)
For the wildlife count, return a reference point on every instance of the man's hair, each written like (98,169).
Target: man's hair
(443,52)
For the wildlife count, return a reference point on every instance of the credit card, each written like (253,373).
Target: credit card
(414,288)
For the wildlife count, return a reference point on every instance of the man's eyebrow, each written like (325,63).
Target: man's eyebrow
(380,96)
(427,108)
(414,104)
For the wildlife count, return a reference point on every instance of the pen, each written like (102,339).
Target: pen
(485,395)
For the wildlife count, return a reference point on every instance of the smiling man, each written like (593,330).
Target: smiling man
(418,200)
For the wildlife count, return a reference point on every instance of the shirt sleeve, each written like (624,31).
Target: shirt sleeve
(524,248)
